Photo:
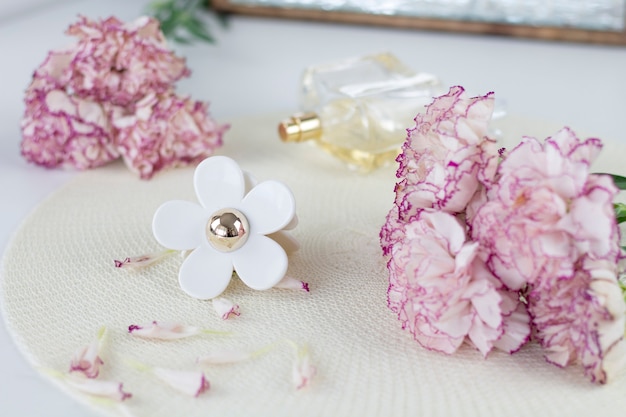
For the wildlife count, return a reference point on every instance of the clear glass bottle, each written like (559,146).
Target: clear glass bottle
(358,109)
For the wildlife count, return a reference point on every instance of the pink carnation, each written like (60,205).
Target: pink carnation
(121,62)
(447,155)
(59,129)
(543,228)
(580,318)
(52,74)
(120,71)
(539,218)
(444,294)
(549,228)
(166,131)
(392,231)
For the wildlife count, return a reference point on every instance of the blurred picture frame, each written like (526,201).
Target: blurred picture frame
(596,22)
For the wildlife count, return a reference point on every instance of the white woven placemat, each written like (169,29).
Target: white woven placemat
(59,286)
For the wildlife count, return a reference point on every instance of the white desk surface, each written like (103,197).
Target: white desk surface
(254,68)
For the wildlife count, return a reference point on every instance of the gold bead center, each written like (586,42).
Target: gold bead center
(227,230)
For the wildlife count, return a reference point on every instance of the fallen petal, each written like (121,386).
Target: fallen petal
(292,284)
(143,260)
(163,331)
(303,370)
(106,389)
(87,359)
(192,383)
(225,308)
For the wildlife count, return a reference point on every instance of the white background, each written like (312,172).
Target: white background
(254,68)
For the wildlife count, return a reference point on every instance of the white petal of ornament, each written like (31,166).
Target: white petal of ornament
(219,182)
(261,263)
(250,181)
(293,223)
(179,225)
(285,240)
(269,207)
(205,273)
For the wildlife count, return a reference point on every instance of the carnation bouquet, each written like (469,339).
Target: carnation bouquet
(494,247)
(112,95)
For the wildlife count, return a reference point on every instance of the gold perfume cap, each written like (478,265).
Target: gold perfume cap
(300,127)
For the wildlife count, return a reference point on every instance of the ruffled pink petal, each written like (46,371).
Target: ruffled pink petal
(440,288)
(591,219)
(433,339)
(515,324)
(519,226)
(392,231)
(581,318)
(54,72)
(447,155)
(166,131)
(486,301)
(59,129)
(119,62)
(483,336)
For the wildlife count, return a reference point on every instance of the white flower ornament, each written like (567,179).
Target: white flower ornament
(227,230)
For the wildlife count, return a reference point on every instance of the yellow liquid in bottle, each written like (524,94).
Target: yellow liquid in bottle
(362,133)
(360,160)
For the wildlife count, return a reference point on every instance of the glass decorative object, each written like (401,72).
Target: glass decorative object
(358,109)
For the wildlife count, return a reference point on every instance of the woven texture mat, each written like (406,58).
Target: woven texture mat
(59,286)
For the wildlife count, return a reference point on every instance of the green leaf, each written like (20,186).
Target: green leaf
(620,212)
(180,20)
(182,40)
(620,182)
(168,27)
(196,28)
(157,6)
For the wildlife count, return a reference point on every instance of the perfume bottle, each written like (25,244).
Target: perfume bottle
(358,109)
